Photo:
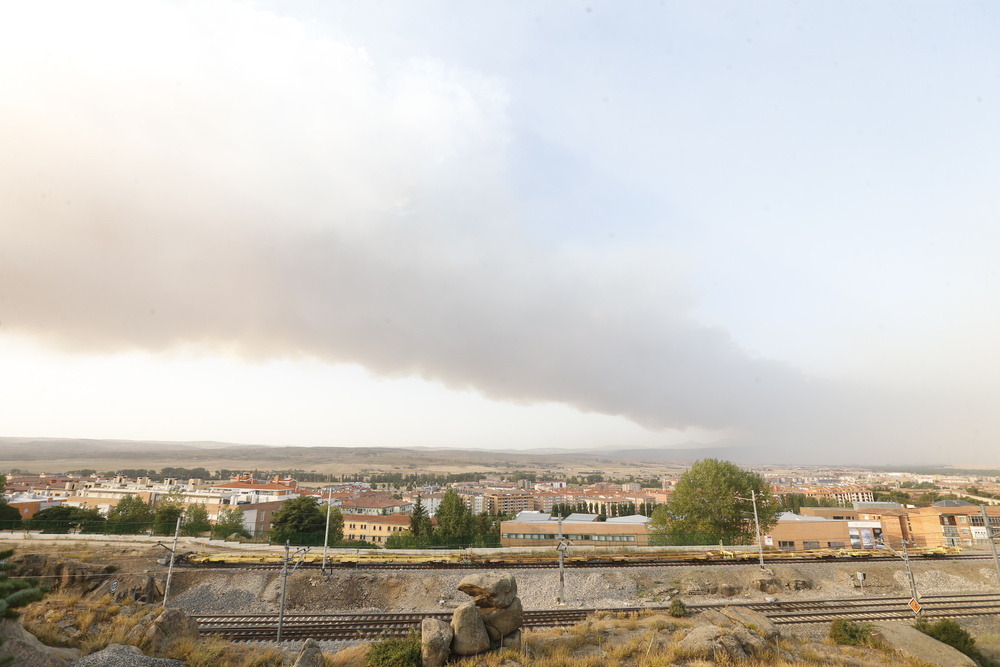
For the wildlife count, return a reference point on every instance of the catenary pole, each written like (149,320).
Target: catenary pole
(989,537)
(170,570)
(326,539)
(284,587)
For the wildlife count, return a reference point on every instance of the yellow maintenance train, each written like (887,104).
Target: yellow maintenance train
(383,558)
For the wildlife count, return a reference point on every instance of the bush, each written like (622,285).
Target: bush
(951,633)
(678,609)
(851,633)
(395,652)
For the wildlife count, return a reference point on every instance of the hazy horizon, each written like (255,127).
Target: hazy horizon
(521,226)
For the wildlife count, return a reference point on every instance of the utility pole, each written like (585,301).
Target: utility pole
(989,537)
(756,523)
(170,570)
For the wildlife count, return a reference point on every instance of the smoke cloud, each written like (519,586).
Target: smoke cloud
(267,192)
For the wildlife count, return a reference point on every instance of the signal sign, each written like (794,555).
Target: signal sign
(915,606)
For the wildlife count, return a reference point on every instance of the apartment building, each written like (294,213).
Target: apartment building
(952,523)
(374,529)
(538,529)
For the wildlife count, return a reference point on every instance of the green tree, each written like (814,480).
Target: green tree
(10,517)
(14,594)
(711,503)
(229,522)
(63,518)
(58,519)
(420,522)
(336,525)
(195,520)
(300,521)
(169,508)
(454,519)
(131,516)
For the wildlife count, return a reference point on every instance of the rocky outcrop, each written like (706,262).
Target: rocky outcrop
(711,641)
(753,620)
(62,575)
(26,650)
(435,642)
(736,632)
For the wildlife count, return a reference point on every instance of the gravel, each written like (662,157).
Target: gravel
(117,655)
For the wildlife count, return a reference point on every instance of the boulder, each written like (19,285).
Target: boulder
(171,624)
(470,631)
(727,590)
(311,655)
(435,642)
(26,650)
(490,589)
(754,620)
(514,639)
(119,654)
(914,644)
(766,583)
(501,622)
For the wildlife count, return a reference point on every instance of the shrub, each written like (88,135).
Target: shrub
(395,652)
(678,609)
(851,633)
(948,631)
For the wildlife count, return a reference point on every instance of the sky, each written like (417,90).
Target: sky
(522,225)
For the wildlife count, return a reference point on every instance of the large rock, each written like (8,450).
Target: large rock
(27,651)
(490,589)
(172,624)
(435,642)
(470,631)
(753,620)
(119,654)
(502,622)
(914,644)
(311,655)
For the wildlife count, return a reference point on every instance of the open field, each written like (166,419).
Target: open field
(54,456)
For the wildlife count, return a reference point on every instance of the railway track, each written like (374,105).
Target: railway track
(263,627)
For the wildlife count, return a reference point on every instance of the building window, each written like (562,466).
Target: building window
(835,545)
(785,544)
(810,545)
